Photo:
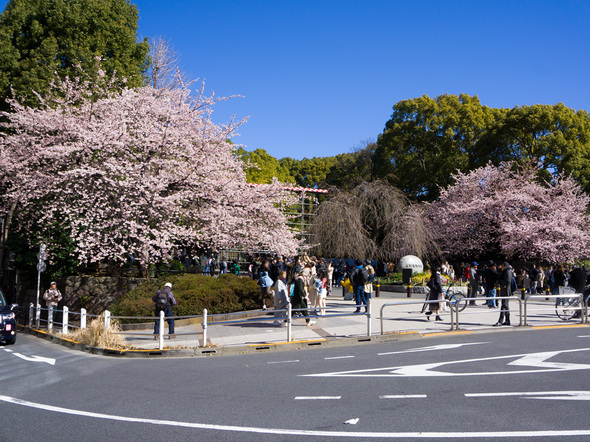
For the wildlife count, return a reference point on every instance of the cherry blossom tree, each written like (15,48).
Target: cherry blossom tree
(136,172)
(509,211)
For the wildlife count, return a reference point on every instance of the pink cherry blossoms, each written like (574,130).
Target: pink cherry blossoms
(508,211)
(140,171)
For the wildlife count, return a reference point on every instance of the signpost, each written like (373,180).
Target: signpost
(41,267)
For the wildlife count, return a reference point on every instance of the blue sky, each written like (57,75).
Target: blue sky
(320,77)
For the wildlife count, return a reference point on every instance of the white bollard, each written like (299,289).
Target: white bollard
(64,322)
(289,331)
(50,318)
(369,329)
(161,331)
(38,315)
(82,318)
(204,327)
(107,320)
(31,313)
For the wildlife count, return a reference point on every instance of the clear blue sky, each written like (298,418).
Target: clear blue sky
(319,77)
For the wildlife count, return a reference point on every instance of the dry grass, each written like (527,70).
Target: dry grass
(94,334)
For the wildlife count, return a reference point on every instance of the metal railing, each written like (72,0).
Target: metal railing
(35,318)
(485,298)
(582,306)
(390,304)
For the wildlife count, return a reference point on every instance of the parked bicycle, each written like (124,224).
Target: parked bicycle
(569,308)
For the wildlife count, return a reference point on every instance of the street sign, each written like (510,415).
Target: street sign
(41,266)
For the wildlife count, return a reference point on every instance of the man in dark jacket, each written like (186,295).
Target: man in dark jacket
(578,277)
(358,280)
(505,281)
(164,300)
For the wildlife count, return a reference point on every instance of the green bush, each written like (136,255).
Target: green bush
(193,293)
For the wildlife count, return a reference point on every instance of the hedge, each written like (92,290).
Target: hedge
(225,294)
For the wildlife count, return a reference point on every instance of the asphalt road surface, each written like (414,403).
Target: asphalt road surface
(507,385)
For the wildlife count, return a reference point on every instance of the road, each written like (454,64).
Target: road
(514,385)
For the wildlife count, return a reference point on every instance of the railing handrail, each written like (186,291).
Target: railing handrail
(427,301)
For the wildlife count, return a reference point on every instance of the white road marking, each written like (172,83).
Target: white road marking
(352,421)
(431,348)
(427,370)
(402,396)
(283,362)
(584,336)
(34,358)
(8,350)
(556,395)
(292,432)
(339,357)
(317,398)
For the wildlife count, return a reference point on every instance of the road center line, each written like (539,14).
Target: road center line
(402,396)
(305,433)
(340,357)
(317,398)
(283,362)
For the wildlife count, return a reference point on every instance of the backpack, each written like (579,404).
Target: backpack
(361,277)
(162,300)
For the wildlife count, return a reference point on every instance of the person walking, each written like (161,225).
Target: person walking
(435,286)
(369,284)
(281,298)
(505,281)
(52,296)
(359,278)
(164,300)
(473,282)
(330,270)
(265,282)
(491,278)
(534,276)
(559,278)
(299,300)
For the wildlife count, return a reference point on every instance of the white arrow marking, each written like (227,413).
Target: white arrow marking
(431,348)
(559,395)
(352,421)
(427,370)
(33,358)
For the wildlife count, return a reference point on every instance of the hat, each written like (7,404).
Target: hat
(53,283)
(168,285)
(474,264)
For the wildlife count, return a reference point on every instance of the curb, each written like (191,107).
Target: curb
(268,347)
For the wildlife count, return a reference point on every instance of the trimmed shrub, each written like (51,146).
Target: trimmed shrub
(225,294)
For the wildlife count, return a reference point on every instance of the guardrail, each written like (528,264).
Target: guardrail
(581,306)
(484,298)
(390,304)
(35,312)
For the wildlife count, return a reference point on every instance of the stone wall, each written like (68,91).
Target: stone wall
(94,293)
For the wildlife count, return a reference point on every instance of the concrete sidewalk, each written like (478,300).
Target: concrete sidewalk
(405,317)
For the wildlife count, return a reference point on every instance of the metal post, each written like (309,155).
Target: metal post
(289,331)
(64,322)
(369,331)
(82,318)
(38,315)
(409,295)
(520,306)
(204,327)
(107,321)
(31,310)
(38,287)
(377,289)
(161,331)
(50,318)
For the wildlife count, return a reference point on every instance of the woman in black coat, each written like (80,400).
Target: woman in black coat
(435,286)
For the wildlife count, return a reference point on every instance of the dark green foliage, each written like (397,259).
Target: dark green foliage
(41,37)
(228,293)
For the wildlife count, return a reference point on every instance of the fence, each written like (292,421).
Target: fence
(36,320)
(391,304)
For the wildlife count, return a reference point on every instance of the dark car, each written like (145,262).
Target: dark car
(7,321)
